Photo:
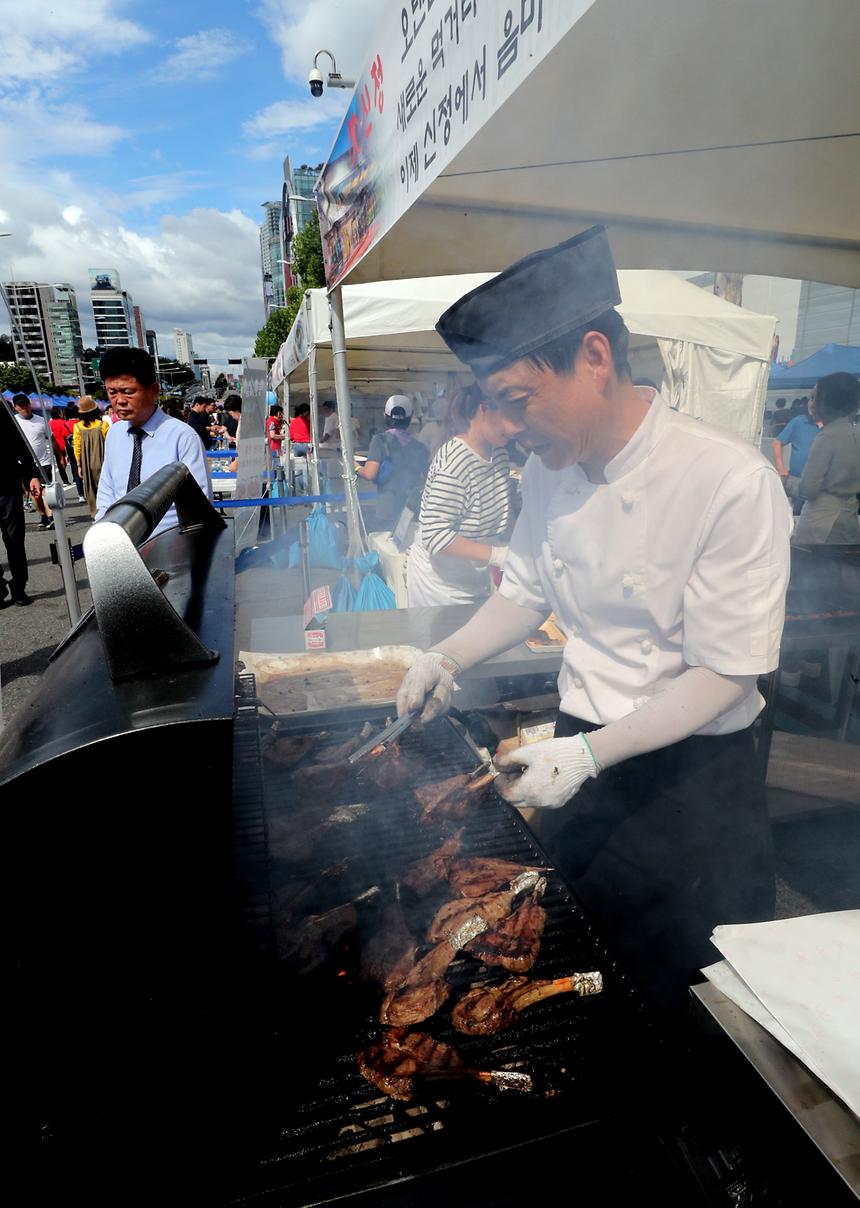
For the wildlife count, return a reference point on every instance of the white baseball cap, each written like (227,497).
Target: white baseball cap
(399,400)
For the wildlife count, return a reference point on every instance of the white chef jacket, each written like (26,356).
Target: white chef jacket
(680,559)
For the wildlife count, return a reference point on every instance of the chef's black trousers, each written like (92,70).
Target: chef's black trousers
(662,848)
(12,528)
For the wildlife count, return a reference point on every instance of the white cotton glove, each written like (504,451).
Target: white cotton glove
(428,685)
(498,553)
(553,771)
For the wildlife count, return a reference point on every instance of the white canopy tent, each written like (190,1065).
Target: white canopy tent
(715,354)
(720,136)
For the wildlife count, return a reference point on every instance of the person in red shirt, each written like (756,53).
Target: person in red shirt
(274,427)
(300,430)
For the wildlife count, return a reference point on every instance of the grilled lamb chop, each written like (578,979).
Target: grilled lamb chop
(294,835)
(477,875)
(286,750)
(450,799)
(515,943)
(391,769)
(401,1057)
(492,908)
(489,1009)
(424,989)
(308,944)
(421,876)
(389,956)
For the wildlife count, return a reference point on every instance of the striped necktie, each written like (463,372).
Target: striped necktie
(136,457)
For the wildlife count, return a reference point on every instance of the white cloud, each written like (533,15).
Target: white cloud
(345,27)
(200,271)
(43,39)
(286,117)
(200,56)
(32,127)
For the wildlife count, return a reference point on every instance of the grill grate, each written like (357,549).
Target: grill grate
(323,1130)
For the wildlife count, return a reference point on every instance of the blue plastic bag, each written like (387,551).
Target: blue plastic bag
(343,596)
(326,540)
(373,595)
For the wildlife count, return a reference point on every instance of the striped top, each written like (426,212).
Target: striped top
(465,496)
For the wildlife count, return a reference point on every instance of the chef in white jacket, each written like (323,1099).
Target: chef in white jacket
(662,546)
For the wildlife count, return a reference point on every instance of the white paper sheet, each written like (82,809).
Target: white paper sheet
(804,973)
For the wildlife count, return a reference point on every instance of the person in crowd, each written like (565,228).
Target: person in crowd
(143,439)
(799,432)
(60,430)
(300,430)
(71,415)
(330,438)
(41,442)
(18,472)
(275,428)
(200,420)
(232,416)
(662,545)
(465,518)
(830,480)
(88,446)
(779,417)
(396,463)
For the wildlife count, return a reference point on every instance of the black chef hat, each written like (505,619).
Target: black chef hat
(533,302)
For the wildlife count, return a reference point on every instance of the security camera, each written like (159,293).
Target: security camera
(316,82)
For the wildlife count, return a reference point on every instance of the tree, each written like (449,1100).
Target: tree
(18,378)
(221,382)
(275,330)
(307,256)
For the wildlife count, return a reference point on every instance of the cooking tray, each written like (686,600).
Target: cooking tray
(314,682)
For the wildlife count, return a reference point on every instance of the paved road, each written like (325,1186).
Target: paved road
(28,635)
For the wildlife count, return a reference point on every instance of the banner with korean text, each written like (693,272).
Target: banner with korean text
(438,70)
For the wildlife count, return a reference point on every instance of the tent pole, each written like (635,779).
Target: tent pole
(312,391)
(344,419)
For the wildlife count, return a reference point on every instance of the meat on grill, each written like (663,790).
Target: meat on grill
(515,943)
(402,1058)
(477,875)
(450,799)
(424,989)
(491,908)
(389,955)
(489,1009)
(421,876)
(308,944)
(294,834)
(287,750)
(391,769)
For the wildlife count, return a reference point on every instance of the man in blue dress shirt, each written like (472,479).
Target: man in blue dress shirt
(144,439)
(799,432)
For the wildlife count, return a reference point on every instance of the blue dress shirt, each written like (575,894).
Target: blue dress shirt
(800,433)
(167,440)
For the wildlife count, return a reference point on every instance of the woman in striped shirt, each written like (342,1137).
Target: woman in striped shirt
(465,517)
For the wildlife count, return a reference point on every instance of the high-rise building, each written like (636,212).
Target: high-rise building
(152,343)
(184,347)
(304,202)
(68,344)
(271,257)
(47,316)
(113,310)
(139,327)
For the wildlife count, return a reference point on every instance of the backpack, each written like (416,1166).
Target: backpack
(402,472)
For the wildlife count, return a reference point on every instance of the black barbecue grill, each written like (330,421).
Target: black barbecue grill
(327,1132)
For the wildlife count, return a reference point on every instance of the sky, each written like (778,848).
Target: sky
(146,136)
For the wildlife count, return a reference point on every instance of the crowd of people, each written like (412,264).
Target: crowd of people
(87,443)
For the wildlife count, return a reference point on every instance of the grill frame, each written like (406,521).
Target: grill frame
(593,1059)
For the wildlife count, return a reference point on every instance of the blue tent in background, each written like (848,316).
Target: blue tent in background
(832,358)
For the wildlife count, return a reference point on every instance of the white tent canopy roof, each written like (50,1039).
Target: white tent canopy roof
(390,325)
(706,135)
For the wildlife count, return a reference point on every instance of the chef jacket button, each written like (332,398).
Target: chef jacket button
(577,682)
(627,500)
(639,701)
(645,646)
(628,582)
(557,565)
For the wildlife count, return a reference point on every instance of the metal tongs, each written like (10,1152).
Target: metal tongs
(378,742)
(482,754)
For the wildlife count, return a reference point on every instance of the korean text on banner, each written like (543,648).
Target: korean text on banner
(438,70)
